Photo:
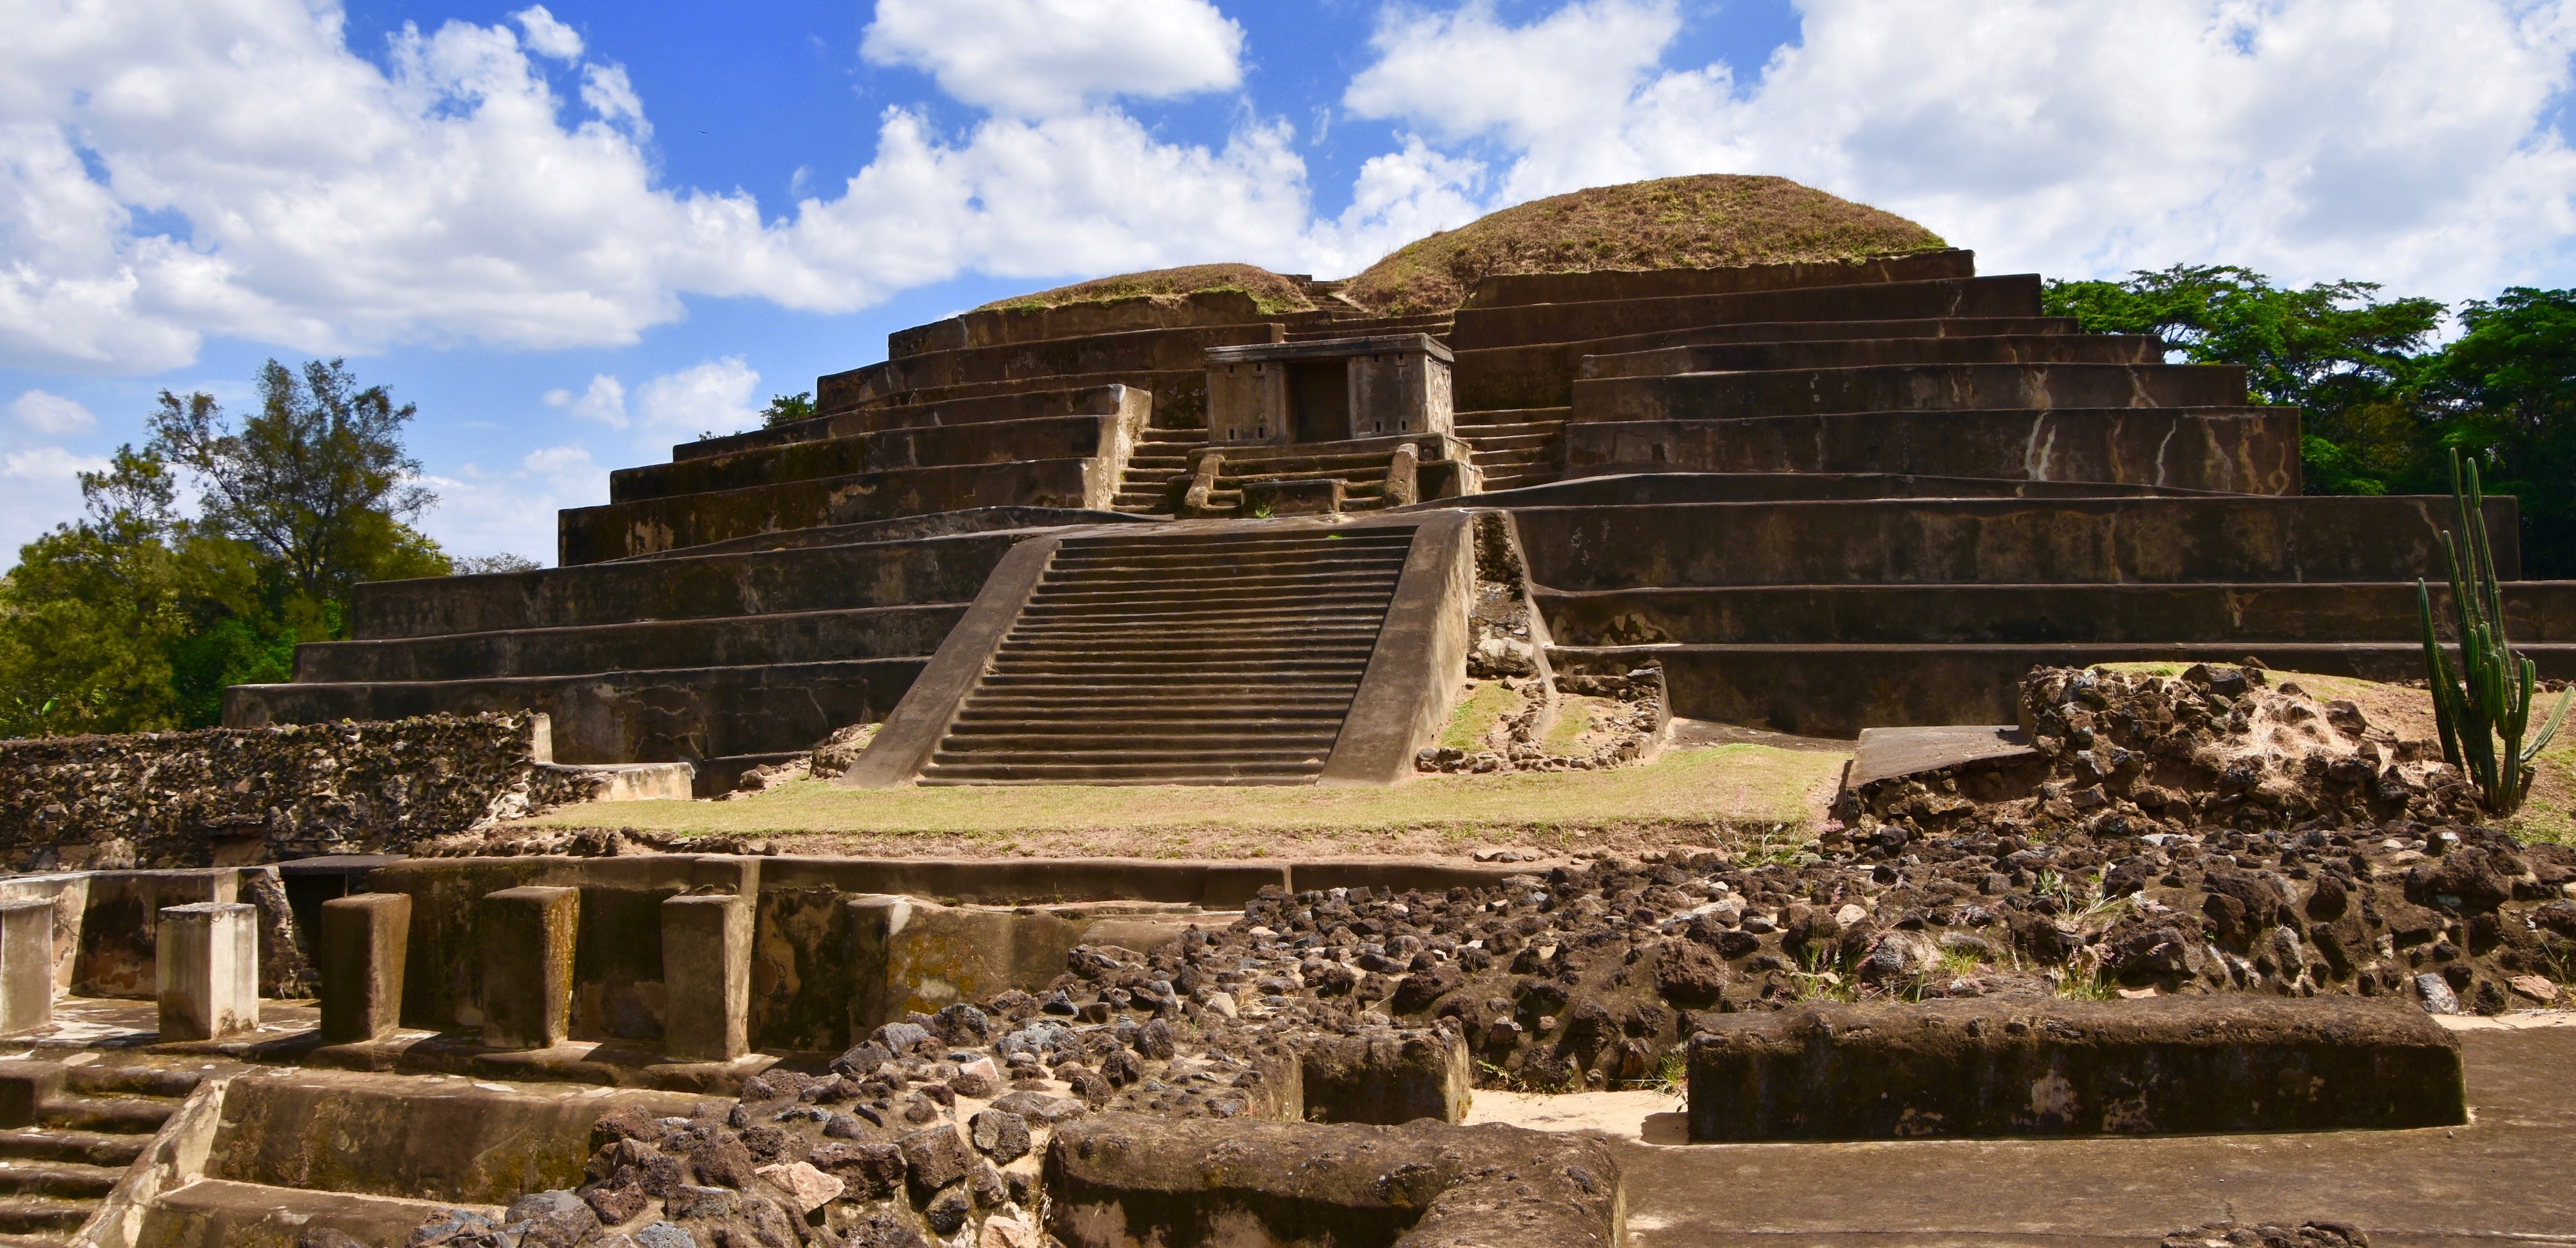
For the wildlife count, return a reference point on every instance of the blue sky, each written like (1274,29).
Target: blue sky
(574,233)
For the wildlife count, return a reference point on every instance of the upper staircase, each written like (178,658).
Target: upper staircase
(1178,658)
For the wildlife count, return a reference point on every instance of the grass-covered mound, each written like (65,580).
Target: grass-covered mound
(1712,220)
(1270,292)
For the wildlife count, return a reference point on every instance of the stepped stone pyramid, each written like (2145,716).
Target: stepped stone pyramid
(1821,497)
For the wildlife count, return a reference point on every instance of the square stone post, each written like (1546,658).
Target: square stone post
(26,964)
(706,977)
(25,1086)
(363,943)
(527,965)
(206,967)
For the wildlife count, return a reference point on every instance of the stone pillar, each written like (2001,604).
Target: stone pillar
(26,964)
(361,949)
(527,965)
(206,967)
(706,977)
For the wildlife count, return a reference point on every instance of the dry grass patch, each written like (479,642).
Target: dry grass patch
(1270,292)
(1723,795)
(1709,221)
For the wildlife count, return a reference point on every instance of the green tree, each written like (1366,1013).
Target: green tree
(2335,350)
(2505,393)
(89,612)
(318,481)
(787,409)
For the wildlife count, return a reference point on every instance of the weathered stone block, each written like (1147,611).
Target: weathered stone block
(207,970)
(1293,498)
(26,964)
(121,915)
(1124,1179)
(527,936)
(1386,1077)
(706,976)
(362,946)
(1995,1068)
(24,1089)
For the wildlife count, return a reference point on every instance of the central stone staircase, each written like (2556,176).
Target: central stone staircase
(1226,659)
(55,1171)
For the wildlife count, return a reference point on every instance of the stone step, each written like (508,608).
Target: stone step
(1145,750)
(1034,404)
(2234,450)
(670,715)
(1199,589)
(783,637)
(112,1114)
(1865,352)
(1357,641)
(2536,612)
(1837,690)
(1540,375)
(1122,773)
(1110,706)
(1155,545)
(1532,440)
(1640,486)
(65,1180)
(586,535)
(1485,328)
(1470,423)
(1356,607)
(22,1215)
(1335,555)
(1001,442)
(132,1080)
(1028,675)
(879,574)
(89,1148)
(1908,387)
(39,1239)
(1253,721)
(1994,541)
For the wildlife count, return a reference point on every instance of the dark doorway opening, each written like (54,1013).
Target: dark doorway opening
(1319,401)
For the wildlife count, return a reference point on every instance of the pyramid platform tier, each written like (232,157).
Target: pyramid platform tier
(1907,387)
(1822,690)
(1627,488)
(2256,614)
(1159,350)
(663,715)
(702,586)
(727,641)
(2207,538)
(1480,328)
(1542,374)
(2233,450)
(2041,348)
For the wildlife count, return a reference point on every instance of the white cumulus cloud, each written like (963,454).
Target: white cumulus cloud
(1036,57)
(714,397)
(51,413)
(547,36)
(511,509)
(2408,141)
(603,401)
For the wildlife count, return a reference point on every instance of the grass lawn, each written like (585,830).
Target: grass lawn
(1708,796)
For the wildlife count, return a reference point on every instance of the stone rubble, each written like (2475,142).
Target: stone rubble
(1622,733)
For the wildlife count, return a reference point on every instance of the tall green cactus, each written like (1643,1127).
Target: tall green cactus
(2491,696)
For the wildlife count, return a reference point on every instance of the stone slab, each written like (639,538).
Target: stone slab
(841,453)
(1886,753)
(1122,1179)
(2499,1179)
(2228,450)
(1386,1078)
(2003,1068)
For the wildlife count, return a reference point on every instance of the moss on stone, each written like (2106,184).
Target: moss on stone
(1270,292)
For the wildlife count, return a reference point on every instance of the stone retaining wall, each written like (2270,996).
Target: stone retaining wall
(232,795)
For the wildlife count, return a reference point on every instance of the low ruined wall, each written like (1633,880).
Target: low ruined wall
(184,799)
